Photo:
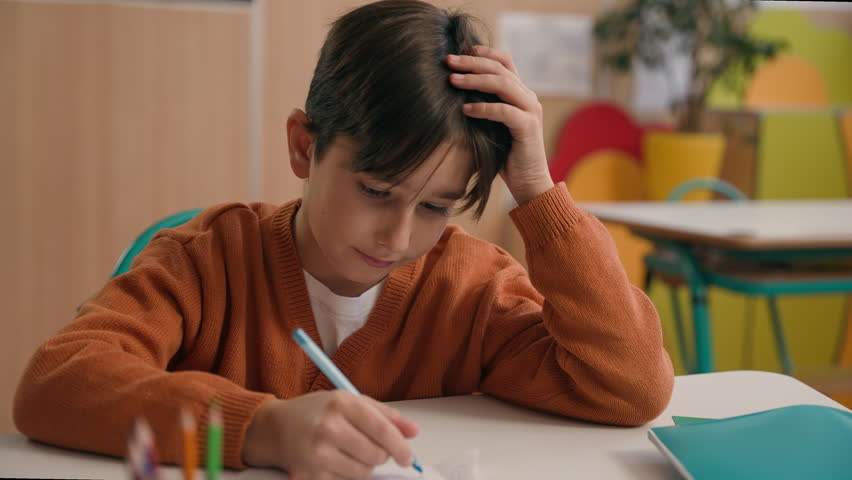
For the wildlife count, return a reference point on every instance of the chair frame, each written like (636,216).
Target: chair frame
(139,243)
(678,262)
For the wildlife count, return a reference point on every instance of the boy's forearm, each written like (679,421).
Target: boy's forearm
(605,325)
(55,403)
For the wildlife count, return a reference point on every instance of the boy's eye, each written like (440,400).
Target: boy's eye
(445,211)
(372,192)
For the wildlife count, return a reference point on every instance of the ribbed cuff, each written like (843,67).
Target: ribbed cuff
(549,215)
(238,409)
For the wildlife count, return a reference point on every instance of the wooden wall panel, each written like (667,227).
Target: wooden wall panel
(113,115)
(54,118)
(184,76)
(11,315)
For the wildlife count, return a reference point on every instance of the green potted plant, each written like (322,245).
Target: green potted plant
(714,33)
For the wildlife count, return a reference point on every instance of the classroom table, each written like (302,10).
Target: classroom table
(792,233)
(515,443)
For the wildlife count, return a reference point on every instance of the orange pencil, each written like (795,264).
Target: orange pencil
(190,445)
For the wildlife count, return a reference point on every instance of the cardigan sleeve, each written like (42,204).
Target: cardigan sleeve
(83,387)
(572,336)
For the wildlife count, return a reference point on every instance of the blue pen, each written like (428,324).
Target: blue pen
(330,370)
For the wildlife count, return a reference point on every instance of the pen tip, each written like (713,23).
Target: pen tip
(417,466)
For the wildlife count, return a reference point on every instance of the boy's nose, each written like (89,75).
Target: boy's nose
(395,234)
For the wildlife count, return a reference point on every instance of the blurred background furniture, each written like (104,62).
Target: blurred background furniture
(667,265)
(174,220)
(766,248)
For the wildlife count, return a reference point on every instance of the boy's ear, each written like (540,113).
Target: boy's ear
(300,141)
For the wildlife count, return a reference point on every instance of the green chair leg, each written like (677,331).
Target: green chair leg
(681,336)
(690,269)
(748,334)
(703,336)
(780,340)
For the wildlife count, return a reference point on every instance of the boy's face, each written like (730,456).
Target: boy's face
(353,229)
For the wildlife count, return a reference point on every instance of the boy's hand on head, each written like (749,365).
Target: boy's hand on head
(328,435)
(492,71)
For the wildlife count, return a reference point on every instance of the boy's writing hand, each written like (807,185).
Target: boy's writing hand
(492,71)
(327,435)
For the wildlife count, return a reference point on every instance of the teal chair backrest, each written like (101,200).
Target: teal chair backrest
(142,240)
(707,183)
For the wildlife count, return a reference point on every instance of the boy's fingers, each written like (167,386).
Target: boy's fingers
(375,425)
(387,410)
(351,441)
(469,63)
(508,89)
(336,464)
(408,428)
(497,55)
(514,118)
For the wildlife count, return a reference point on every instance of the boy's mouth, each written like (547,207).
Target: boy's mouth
(373,261)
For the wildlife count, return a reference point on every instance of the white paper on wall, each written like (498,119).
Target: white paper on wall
(553,53)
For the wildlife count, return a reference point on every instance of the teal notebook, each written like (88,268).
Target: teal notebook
(802,441)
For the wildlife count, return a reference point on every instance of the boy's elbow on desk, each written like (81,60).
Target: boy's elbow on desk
(648,406)
(624,409)
(636,399)
(25,410)
(630,400)
(634,410)
(37,402)
(43,402)
(647,399)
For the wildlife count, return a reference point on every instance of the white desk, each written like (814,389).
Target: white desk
(750,225)
(515,443)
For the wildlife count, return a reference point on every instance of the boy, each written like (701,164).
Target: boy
(407,121)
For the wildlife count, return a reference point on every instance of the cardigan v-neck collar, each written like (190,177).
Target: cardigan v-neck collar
(292,295)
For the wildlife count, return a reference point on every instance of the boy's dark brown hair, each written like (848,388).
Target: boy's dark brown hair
(382,79)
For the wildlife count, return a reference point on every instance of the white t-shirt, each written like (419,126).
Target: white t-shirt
(338,317)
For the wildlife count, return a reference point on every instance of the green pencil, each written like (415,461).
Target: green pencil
(214,441)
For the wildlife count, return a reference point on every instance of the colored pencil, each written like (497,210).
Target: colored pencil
(143,460)
(151,459)
(190,444)
(135,455)
(214,441)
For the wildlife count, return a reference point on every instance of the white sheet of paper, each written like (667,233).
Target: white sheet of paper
(553,53)
(463,467)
